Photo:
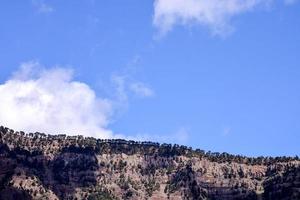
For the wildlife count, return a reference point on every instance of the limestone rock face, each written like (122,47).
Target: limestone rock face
(40,166)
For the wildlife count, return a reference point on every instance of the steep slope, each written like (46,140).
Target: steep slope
(39,166)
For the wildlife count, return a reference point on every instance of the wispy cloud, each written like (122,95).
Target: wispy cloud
(290,2)
(216,15)
(119,83)
(42,7)
(126,86)
(141,90)
(180,136)
(226,131)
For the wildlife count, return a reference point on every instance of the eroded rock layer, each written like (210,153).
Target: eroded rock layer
(39,166)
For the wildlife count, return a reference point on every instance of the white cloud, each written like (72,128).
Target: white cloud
(50,101)
(214,14)
(141,89)
(42,7)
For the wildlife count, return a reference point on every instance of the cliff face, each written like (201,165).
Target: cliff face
(39,166)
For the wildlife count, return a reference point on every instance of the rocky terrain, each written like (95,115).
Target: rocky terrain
(40,166)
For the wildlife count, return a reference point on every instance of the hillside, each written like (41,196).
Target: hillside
(40,166)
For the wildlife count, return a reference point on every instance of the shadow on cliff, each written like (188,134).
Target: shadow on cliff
(73,167)
(186,180)
(283,184)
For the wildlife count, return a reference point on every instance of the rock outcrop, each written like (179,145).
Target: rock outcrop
(40,166)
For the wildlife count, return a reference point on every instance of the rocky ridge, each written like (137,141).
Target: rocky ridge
(40,166)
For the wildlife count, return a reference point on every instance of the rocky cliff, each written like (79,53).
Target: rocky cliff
(40,166)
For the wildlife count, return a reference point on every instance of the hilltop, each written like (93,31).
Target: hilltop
(41,166)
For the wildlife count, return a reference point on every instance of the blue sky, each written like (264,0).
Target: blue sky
(216,76)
